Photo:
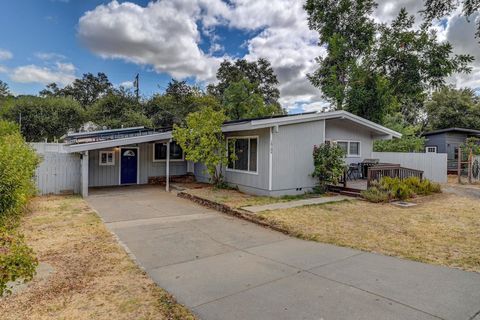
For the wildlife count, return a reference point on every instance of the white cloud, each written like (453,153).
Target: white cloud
(5,54)
(163,34)
(60,73)
(50,56)
(166,35)
(126,84)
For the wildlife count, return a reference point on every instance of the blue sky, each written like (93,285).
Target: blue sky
(46,41)
(39,28)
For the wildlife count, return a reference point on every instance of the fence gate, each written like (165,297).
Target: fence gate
(58,173)
(468,167)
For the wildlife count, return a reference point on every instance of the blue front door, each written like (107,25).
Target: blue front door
(128,160)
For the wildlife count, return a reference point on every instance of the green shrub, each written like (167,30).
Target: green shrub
(17,168)
(408,143)
(376,195)
(399,189)
(17,260)
(422,187)
(329,165)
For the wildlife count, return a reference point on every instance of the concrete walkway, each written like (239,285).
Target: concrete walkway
(225,268)
(295,203)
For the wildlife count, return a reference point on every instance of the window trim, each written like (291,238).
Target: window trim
(349,155)
(427,147)
(165,160)
(107,163)
(244,137)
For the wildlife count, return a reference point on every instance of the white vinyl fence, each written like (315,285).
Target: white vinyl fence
(43,147)
(58,172)
(433,165)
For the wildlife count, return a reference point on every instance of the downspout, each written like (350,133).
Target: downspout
(270,160)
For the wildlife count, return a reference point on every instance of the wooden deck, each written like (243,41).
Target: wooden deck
(359,184)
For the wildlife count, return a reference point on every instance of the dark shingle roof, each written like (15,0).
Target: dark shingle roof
(463,130)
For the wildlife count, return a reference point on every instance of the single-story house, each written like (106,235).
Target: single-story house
(448,141)
(274,153)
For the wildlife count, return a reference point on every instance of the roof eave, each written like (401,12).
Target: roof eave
(118,142)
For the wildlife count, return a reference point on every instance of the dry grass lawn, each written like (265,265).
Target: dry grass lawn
(442,229)
(453,181)
(237,199)
(93,276)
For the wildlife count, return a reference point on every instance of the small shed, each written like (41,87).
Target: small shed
(448,141)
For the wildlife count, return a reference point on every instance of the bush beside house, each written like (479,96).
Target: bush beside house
(329,165)
(17,168)
(399,189)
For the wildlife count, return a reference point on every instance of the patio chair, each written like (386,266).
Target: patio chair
(353,171)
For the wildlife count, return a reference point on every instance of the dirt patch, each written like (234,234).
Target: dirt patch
(93,276)
(236,199)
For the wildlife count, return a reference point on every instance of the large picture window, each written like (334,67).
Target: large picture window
(160,152)
(245,149)
(351,148)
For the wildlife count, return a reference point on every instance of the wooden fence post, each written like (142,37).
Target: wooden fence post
(470,157)
(459,165)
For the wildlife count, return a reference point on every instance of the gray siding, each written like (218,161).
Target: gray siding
(99,176)
(347,130)
(292,160)
(251,181)
(437,140)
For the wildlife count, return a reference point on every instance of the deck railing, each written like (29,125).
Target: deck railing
(375,173)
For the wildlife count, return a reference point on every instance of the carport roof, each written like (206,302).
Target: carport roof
(158,136)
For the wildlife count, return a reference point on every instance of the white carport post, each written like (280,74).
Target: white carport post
(167,168)
(84,170)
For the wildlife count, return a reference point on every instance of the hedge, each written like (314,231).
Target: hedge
(17,168)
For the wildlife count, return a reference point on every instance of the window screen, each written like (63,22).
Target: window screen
(354,148)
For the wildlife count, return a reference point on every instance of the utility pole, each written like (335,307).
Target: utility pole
(136,85)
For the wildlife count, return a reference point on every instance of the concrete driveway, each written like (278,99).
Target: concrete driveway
(225,268)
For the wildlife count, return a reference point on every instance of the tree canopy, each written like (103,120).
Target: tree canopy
(173,106)
(450,107)
(374,69)
(43,118)
(202,140)
(118,109)
(87,90)
(259,73)
(4,90)
(241,101)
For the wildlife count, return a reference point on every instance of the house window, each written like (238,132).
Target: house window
(160,152)
(431,149)
(351,148)
(246,150)
(107,158)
